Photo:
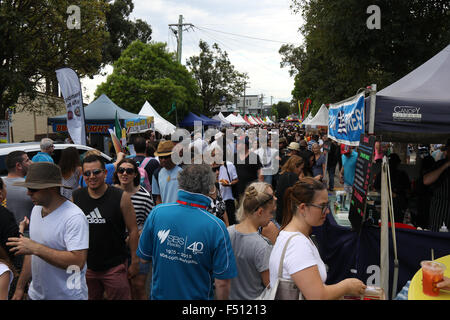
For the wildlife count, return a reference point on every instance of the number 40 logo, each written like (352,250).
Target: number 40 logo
(196,247)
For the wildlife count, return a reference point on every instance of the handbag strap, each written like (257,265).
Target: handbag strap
(280,268)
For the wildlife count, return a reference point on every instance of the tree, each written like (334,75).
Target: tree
(122,31)
(219,82)
(36,40)
(149,72)
(340,54)
(282,109)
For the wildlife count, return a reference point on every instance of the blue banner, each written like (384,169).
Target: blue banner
(346,120)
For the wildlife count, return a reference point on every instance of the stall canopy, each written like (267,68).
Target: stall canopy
(416,108)
(307,120)
(99,115)
(234,120)
(161,125)
(191,118)
(209,121)
(224,122)
(321,117)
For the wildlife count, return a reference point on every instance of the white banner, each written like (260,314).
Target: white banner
(71,91)
(4,131)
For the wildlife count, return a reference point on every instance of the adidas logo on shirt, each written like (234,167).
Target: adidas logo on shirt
(95,217)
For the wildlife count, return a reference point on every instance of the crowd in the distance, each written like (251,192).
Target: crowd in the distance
(146,226)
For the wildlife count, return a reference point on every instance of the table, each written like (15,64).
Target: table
(415,288)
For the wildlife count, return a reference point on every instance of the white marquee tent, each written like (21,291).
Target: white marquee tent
(161,125)
(321,117)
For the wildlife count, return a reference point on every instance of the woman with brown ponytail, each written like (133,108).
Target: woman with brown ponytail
(306,206)
(251,249)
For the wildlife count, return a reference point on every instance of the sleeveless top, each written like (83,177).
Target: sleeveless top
(72,182)
(107,247)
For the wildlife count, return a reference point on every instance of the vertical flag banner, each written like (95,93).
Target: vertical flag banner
(117,128)
(346,120)
(115,141)
(300,118)
(306,107)
(71,91)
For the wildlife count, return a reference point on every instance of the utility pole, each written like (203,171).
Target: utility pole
(261,104)
(245,87)
(179,34)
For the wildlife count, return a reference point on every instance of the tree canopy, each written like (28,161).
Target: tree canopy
(149,72)
(340,54)
(36,40)
(217,79)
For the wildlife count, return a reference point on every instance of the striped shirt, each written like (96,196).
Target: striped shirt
(143,203)
(440,203)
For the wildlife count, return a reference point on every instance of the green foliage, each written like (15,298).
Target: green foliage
(149,72)
(219,82)
(35,41)
(340,54)
(282,109)
(122,31)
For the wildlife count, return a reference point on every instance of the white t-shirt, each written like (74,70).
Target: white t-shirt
(64,229)
(301,253)
(3,269)
(226,192)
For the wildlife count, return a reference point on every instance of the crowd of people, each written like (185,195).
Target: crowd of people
(147,227)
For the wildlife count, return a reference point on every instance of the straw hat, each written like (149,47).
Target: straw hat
(42,175)
(164,148)
(294,146)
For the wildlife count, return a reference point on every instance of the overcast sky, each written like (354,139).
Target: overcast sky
(263,19)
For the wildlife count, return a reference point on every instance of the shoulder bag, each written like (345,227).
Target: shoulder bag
(284,289)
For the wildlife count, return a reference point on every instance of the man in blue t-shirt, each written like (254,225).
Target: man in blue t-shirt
(189,247)
(347,174)
(164,179)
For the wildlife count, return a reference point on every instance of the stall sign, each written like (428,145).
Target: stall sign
(358,200)
(139,124)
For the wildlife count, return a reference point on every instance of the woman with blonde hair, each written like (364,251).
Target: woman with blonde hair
(306,206)
(251,249)
(291,171)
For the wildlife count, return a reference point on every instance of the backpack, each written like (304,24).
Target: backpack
(145,182)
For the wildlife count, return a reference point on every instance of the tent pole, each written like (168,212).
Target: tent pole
(373,92)
(384,231)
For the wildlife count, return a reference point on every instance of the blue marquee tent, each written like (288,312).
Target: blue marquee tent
(189,120)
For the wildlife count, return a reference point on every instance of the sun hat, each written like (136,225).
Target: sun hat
(294,146)
(164,148)
(42,175)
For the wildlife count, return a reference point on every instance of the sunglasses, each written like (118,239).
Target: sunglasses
(95,172)
(164,157)
(30,190)
(127,170)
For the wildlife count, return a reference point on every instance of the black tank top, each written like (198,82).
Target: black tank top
(107,247)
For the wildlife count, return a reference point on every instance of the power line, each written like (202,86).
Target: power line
(243,36)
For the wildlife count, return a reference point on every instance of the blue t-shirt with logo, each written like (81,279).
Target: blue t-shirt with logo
(188,247)
(167,185)
(349,164)
(42,157)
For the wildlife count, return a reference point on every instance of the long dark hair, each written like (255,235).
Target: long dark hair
(70,160)
(303,191)
(136,180)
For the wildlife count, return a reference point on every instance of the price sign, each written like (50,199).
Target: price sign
(361,183)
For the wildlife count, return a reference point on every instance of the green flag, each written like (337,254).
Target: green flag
(174,107)
(117,128)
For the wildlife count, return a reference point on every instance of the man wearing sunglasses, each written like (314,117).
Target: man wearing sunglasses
(55,254)
(110,213)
